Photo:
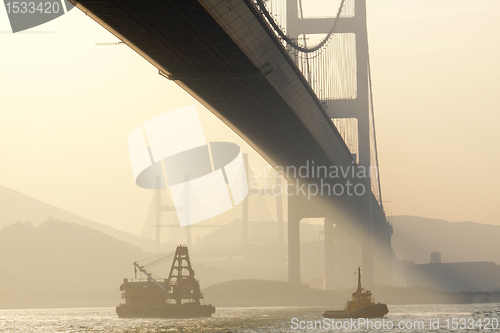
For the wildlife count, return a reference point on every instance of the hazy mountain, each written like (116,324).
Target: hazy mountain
(62,262)
(253,288)
(415,238)
(258,231)
(17,206)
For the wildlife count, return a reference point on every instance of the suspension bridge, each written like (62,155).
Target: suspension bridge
(296,88)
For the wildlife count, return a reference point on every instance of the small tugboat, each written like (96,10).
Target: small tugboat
(176,297)
(360,305)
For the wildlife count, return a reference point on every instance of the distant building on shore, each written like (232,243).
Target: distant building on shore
(455,276)
(435,258)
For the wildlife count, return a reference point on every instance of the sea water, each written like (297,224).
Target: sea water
(404,318)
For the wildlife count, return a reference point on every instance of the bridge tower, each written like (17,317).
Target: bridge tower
(354,105)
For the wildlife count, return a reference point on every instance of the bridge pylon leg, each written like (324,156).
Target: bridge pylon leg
(329,241)
(294,217)
(367,261)
(367,241)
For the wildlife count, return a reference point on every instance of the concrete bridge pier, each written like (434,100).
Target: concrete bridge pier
(383,251)
(366,220)
(330,257)
(300,207)
(295,214)
(337,212)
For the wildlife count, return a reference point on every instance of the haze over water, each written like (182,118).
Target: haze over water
(258,319)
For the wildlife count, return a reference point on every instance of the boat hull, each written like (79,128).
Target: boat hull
(164,311)
(370,311)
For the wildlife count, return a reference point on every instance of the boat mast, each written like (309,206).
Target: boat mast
(359,281)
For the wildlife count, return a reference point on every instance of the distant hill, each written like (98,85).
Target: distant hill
(59,263)
(253,288)
(230,234)
(249,292)
(256,292)
(415,238)
(17,206)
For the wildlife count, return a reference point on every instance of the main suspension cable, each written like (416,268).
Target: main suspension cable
(290,41)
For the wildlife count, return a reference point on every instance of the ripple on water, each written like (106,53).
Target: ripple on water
(225,320)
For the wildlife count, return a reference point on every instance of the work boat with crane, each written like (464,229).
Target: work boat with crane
(361,305)
(176,297)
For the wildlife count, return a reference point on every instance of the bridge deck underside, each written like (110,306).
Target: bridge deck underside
(181,38)
(186,41)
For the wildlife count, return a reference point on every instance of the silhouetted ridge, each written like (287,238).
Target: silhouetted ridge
(60,261)
(260,289)
(17,206)
(415,238)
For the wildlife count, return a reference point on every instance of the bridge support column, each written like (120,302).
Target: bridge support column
(158,215)
(367,239)
(382,234)
(367,261)
(279,211)
(388,252)
(244,214)
(294,217)
(330,259)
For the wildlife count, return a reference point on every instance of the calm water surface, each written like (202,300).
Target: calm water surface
(272,319)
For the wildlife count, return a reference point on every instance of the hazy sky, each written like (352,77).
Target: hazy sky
(67,107)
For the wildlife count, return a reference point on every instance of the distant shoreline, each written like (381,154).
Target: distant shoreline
(462,298)
(327,302)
